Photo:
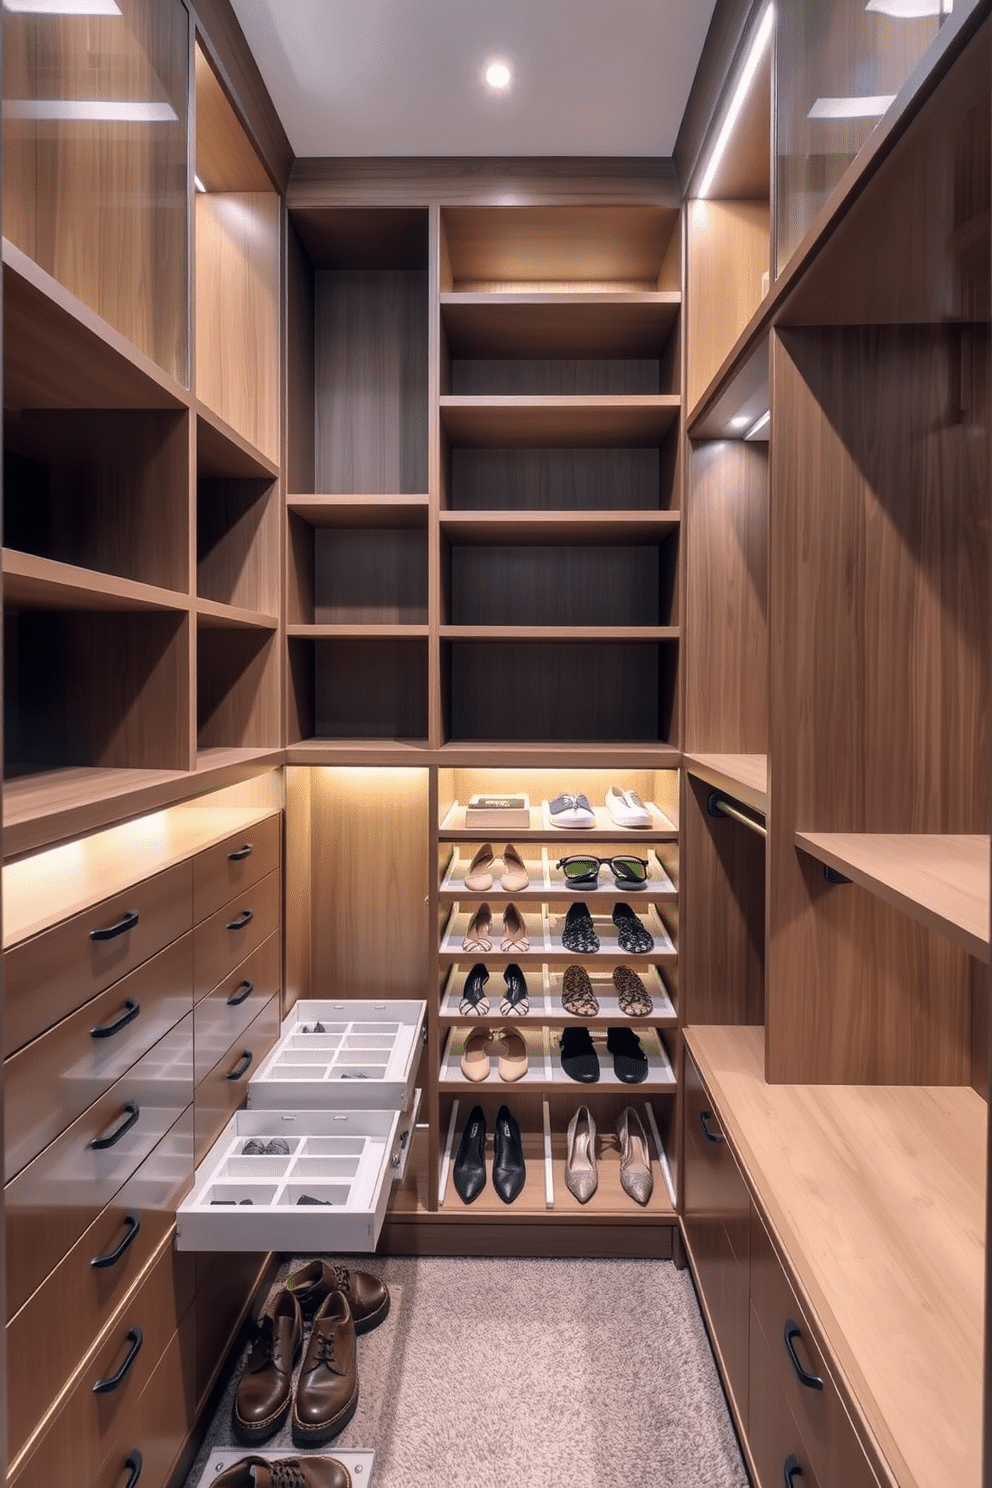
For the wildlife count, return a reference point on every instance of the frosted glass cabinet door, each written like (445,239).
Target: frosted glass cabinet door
(839,64)
(95,173)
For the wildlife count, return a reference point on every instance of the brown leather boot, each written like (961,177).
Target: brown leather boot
(368,1297)
(265,1388)
(327,1390)
(285,1472)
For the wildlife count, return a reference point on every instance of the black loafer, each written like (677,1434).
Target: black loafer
(469,1174)
(516,1000)
(631,934)
(509,1171)
(579,1059)
(630,1063)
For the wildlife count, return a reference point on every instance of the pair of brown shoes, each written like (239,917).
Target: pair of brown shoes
(285,1472)
(341,1304)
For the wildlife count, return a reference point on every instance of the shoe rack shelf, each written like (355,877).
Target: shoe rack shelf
(545,1149)
(544,931)
(544,1070)
(541,829)
(547,880)
(544,996)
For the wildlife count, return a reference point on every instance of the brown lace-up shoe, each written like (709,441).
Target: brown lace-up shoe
(285,1472)
(327,1390)
(264,1390)
(368,1297)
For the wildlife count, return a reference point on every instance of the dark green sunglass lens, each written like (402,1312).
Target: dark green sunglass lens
(580,867)
(630,868)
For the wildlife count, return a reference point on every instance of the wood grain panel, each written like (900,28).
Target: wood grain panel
(300,364)
(520,585)
(370,689)
(581,421)
(83,198)
(726,609)
(237,543)
(217,949)
(378,575)
(366,237)
(557,244)
(221,1018)
(103,490)
(371,380)
(225,159)
(225,1089)
(298,905)
(219,872)
(237,687)
(561,325)
(227,1284)
(728,251)
(722,906)
(561,479)
(723,39)
(540,377)
(370,945)
(221,35)
(237,312)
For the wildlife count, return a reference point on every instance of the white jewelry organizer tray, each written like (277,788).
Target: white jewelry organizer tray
(348,1140)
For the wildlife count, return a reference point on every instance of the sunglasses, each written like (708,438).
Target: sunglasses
(582,869)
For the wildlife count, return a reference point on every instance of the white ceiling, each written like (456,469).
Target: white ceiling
(405,77)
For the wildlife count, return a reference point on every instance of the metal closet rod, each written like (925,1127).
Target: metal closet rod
(718,804)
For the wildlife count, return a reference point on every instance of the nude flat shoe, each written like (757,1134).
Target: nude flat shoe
(477,934)
(512,1052)
(581,1177)
(475,1055)
(514,876)
(478,876)
(514,931)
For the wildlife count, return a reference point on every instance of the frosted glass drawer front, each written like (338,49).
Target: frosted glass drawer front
(359,1055)
(328,1193)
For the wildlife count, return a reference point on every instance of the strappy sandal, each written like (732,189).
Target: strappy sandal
(473,998)
(477,875)
(514,877)
(578,933)
(514,931)
(577,996)
(632,995)
(631,934)
(516,1000)
(477,935)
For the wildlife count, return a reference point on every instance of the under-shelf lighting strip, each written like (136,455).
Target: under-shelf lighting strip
(761,39)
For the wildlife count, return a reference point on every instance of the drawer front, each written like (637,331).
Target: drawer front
(231,866)
(222,1017)
(714,1188)
(76,1442)
(59,1195)
(50,975)
(777,1448)
(819,1412)
(54,1079)
(724,1287)
(79,1298)
(225,1088)
(158,1427)
(223,941)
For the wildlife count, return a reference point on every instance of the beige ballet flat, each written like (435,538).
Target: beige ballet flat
(636,1177)
(475,1056)
(478,878)
(514,876)
(514,931)
(477,935)
(512,1053)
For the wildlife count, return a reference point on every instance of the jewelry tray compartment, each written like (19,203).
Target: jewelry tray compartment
(363,1056)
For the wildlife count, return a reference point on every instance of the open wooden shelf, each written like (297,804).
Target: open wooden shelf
(222,451)
(743,776)
(559,632)
(537,422)
(559,528)
(812,1153)
(231,617)
(41,583)
(372,512)
(621,324)
(357,632)
(942,881)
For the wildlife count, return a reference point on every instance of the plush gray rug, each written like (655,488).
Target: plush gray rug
(490,1373)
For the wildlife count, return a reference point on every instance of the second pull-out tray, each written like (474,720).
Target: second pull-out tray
(333,1052)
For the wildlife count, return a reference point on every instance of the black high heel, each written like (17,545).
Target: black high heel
(473,999)
(516,1000)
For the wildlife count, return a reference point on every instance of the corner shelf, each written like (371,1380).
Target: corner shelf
(371,512)
(941,881)
(567,325)
(559,527)
(743,776)
(580,422)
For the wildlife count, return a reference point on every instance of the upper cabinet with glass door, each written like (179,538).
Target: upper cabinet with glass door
(95,176)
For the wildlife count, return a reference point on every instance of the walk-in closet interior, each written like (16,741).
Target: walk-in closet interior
(394,552)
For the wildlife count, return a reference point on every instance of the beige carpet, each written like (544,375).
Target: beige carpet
(490,1373)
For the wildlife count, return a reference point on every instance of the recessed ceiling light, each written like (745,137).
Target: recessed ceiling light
(498,75)
(740,422)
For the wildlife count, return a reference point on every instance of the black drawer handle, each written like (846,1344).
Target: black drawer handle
(711,1136)
(135,1338)
(241,854)
(134,1464)
(238,996)
(107,1030)
(132,1220)
(789,1332)
(242,1066)
(111,932)
(132,1112)
(244,918)
(792,1469)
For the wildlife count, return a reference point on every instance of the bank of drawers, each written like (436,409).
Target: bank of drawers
(797,1428)
(111,1038)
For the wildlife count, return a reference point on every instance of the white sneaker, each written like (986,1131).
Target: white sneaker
(626,808)
(571,811)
